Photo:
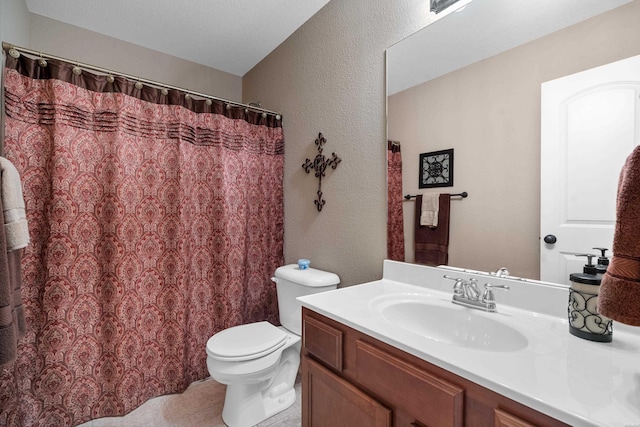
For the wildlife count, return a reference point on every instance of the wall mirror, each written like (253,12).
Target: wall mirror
(471,81)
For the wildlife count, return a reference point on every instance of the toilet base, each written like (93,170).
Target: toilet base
(247,403)
(246,406)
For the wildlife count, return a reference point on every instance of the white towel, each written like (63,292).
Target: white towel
(15,220)
(429,210)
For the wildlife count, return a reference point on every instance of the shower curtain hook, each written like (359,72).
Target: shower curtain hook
(139,84)
(42,62)
(14,53)
(77,70)
(110,77)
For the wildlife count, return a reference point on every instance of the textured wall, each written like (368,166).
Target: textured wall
(489,113)
(71,42)
(14,21)
(329,77)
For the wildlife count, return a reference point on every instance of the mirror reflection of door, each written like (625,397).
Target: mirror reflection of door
(590,124)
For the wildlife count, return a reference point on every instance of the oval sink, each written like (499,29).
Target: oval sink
(450,324)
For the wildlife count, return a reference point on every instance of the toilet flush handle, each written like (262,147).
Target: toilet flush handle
(274,279)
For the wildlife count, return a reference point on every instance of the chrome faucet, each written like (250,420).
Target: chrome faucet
(502,272)
(466,293)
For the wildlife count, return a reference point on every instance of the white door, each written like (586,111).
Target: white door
(590,124)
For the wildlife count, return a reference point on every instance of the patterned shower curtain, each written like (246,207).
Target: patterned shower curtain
(156,220)
(395,222)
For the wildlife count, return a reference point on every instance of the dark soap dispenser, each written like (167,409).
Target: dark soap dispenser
(603,261)
(584,320)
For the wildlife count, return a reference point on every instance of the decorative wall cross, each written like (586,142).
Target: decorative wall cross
(319,164)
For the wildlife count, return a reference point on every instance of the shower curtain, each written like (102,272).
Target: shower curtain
(156,220)
(395,222)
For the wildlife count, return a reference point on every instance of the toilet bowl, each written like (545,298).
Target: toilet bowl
(260,376)
(259,361)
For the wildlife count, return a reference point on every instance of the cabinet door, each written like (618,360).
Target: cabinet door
(330,401)
(505,419)
(323,341)
(430,399)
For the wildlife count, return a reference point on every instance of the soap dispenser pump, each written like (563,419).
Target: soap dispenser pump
(584,320)
(603,261)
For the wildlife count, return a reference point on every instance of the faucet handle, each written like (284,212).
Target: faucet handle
(487,295)
(458,286)
(490,286)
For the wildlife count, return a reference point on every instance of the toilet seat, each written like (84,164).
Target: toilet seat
(246,342)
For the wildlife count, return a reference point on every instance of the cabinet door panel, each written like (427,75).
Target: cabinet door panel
(323,341)
(432,400)
(505,419)
(330,401)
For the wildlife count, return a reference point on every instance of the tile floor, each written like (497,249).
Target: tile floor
(199,406)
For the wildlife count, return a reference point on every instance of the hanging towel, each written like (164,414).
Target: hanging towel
(619,296)
(429,209)
(15,220)
(12,320)
(432,244)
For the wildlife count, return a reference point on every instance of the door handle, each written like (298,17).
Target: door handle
(550,238)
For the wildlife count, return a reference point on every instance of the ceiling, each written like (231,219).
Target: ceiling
(463,37)
(229,35)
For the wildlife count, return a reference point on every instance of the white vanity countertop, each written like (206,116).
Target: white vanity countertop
(579,382)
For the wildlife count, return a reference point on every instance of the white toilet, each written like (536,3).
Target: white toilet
(259,362)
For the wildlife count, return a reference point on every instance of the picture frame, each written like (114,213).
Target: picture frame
(436,169)
(438,6)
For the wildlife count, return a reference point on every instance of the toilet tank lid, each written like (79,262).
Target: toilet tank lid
(308,277)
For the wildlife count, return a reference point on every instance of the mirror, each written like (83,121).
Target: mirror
(471,81)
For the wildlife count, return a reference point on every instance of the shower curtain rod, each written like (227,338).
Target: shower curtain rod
(14,50)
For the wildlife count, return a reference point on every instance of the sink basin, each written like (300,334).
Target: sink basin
(450,324)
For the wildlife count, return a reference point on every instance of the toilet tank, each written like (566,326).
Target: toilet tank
(291,283)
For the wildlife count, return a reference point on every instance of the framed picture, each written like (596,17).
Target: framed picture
(438,6)
(436,169)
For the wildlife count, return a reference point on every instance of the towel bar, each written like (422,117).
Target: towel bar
(463,195)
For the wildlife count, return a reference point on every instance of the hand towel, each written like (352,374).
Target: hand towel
(431,245)
(619,296)
(15,221)
(429,208)
(12,319)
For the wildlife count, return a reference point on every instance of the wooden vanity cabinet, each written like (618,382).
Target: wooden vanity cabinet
(351,379)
